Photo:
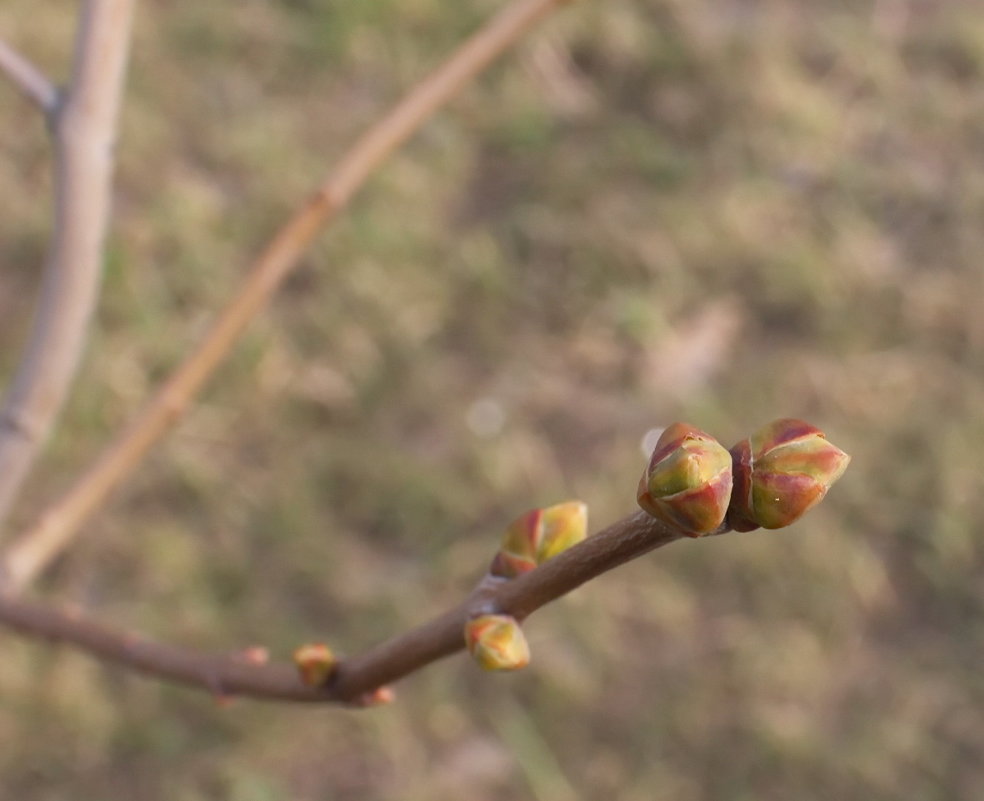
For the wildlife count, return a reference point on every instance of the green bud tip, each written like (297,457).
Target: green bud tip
(687,482)
(781,472)
(497,642)
(539,535)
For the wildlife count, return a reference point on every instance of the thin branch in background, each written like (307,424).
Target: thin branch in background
(85,130)
(233,675)
(59,523)
(31,82)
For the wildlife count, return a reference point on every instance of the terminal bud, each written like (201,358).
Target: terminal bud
(781,472)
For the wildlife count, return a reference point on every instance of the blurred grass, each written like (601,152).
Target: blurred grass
(719,212)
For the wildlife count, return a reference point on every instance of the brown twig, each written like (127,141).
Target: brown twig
(232,675)
(29,80)
(59,524)
(84,128)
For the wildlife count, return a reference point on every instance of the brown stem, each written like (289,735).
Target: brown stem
(60,522)
(225,674)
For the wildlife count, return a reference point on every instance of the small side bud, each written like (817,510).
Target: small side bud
(315,663)
(255,655)
(378,697)
(539,535)
(497,642)
(782,471)
(688,480)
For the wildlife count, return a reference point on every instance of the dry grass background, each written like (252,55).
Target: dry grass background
(719,212)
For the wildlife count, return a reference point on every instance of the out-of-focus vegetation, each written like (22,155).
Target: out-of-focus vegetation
(720,212)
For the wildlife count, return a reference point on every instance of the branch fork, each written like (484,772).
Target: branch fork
(29,80)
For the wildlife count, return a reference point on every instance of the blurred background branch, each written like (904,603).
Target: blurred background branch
(28,79)
(59,523)
(85,135)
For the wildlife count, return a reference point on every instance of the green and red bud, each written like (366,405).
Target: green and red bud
(781,472)
(497,642)
(539,535)
(315,663)
(687,483)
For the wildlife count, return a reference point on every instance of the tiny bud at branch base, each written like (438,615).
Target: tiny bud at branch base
(315,663)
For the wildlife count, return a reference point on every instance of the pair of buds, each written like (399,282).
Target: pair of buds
(497,642)
(770,479)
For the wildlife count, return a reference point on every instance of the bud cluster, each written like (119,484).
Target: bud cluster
(770,479)
(691,483)
(496,641)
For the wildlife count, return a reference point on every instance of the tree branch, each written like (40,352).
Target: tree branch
(59,524)
(234,675)
(31,82)
(84,136)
